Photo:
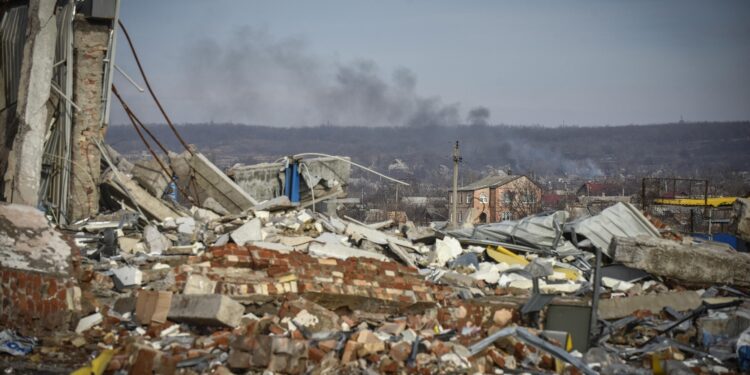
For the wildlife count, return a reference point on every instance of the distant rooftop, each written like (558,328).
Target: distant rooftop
(490,181)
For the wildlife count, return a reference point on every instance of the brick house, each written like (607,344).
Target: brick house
(596,189)
(497,198)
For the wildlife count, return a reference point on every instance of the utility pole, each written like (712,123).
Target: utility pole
(454,209)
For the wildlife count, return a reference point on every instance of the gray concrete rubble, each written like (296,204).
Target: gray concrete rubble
(148,173)
(213,183)
(742,218)
(168,264)
(250,231)
(136,197)
(276,286)
(696,262)
(617,308)
(27,242)
(205,309)
(289,289)
(253,268)
(265,181)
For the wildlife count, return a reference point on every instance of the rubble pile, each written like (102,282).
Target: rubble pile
(157,287)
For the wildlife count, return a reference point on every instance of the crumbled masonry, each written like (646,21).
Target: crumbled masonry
(285,289)
(170,265)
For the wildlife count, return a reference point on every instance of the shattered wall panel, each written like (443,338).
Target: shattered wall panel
(266,180)
(217,185)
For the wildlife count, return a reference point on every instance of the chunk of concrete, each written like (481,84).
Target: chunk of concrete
(204,215)
(275,204)
(487,272)
(304,217)
(708,262)
(332,250)
(27,242)
(421,234)
(89,322)
(150,176)
(156,242)
(617,285)
(457,279)
(250,231)
(206,309)
(298,243)
(127,244)
(185,225)
(284,249)
(124,188)
(402,254)
(446,250)
(127,277)
(199,284)
(313,317)
(213,183)
(211,204)
(375,235)
(616,308)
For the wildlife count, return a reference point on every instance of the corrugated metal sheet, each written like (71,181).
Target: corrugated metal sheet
(622,220)
(542,231)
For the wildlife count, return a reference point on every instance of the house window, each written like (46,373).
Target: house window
(529,198)
(508,197)
(468,198)
(483,198)
(506,215)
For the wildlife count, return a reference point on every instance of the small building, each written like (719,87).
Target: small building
(497,198)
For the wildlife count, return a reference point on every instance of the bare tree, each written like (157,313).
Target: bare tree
(521,201)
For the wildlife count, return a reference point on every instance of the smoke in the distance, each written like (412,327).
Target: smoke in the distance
(258,79)
(478,116)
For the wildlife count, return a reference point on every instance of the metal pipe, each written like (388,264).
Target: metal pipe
(108,76)
(68,118)
(132,82)
(62,95)
(597,292)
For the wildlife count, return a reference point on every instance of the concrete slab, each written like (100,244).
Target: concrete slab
(206,309)
(250,231)
(616,308)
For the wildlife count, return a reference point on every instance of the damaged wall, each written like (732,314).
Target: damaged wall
(38,289)
(90,43)
(25,160)
(266,180)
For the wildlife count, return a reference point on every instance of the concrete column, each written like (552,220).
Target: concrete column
(90,48)
(25,159)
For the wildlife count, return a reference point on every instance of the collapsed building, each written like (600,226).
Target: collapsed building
(170,265)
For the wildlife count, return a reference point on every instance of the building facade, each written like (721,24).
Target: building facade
(498,198)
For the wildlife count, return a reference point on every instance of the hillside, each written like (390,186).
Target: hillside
(685,149)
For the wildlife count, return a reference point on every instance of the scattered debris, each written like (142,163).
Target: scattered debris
(167,264)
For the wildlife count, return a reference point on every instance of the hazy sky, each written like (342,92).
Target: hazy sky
(301,63)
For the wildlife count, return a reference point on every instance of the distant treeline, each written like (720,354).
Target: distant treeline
(687,149)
